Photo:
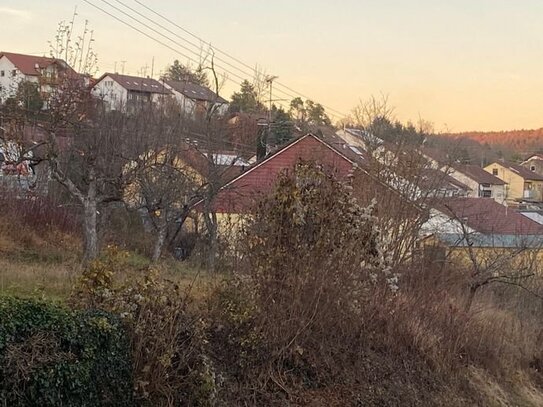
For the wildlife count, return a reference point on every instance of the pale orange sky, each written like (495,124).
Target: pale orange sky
(463,65)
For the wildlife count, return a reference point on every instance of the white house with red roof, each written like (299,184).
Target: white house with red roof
(17,68)
(196,100)
(122,92)
(481,183)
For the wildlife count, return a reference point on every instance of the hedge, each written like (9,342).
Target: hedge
(53,356)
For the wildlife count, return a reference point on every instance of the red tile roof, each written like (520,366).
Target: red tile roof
(31,64)
(136,83)
(433,179)
(478,174)
(241,194)
(485,215)
(196,92)
(522,171)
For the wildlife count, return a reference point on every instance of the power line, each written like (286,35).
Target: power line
(244,72)
(182,38)
(337,115)
(228,55)
(253,71)
(158,40)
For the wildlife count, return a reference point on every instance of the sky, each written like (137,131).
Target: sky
(460,64)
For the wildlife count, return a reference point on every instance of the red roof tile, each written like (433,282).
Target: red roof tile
(522,171)
(478,174)
(196,92)
(136,83)
(241,194)
(31,64)
(485,215)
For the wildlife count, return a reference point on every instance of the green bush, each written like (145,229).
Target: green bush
(52,356)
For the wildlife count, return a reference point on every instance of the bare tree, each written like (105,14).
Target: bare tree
(165,184)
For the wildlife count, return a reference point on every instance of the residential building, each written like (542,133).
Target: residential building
(534,163)
(124,92)
(196,100)
(360,138)
(523,185)
(18,68)
(479,230)
(478,215)
(481,183)
(241,194)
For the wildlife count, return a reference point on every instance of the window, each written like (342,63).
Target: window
(2,73)
(486,193)
(494,171)
(532,168)
(14,72)
(528,186)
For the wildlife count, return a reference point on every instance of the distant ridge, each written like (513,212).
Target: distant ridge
(521,141)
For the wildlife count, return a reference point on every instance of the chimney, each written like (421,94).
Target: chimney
(262,140)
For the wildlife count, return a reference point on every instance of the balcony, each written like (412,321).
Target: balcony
(529,194)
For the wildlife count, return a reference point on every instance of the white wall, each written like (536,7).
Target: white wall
(497,191)
(8,82)
(189,106)
(438,222)
(113,94)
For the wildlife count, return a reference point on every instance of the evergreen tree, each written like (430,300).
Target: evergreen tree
(183,73)
(282,127)
(246,100)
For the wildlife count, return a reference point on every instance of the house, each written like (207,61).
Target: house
(240,195)
(481,230)
(478,215)
(437,158)
(196,100)
(360,138)
(481,183)
(534,163)
(124,92)
(523,185)
(18,68)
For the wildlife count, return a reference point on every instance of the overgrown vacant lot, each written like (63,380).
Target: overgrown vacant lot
(309,316)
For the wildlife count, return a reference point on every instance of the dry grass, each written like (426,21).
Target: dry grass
(35,279)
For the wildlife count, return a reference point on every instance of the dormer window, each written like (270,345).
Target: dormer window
(494,171)
(532,168)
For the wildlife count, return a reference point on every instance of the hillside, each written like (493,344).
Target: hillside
(520,142)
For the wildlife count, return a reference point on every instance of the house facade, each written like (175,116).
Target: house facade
(19,68)
(196,100)
(522,185)
(534,163)
(125,93)
(479,229)
(481,183)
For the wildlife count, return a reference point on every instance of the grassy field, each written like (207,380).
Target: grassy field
(47,264)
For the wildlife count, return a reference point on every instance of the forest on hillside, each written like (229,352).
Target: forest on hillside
(513,145)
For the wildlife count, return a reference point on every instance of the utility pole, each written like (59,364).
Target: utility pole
(269,81)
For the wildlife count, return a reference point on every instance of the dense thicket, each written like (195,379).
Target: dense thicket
(52,356)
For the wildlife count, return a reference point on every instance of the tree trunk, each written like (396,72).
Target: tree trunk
(471,296)
(211,226)
(90,229)
(160,240)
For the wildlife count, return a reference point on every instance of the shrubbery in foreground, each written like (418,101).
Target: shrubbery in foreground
(52,356)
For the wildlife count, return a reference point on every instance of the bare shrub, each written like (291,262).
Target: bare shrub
(309,260)
(39,212)
(167,338)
